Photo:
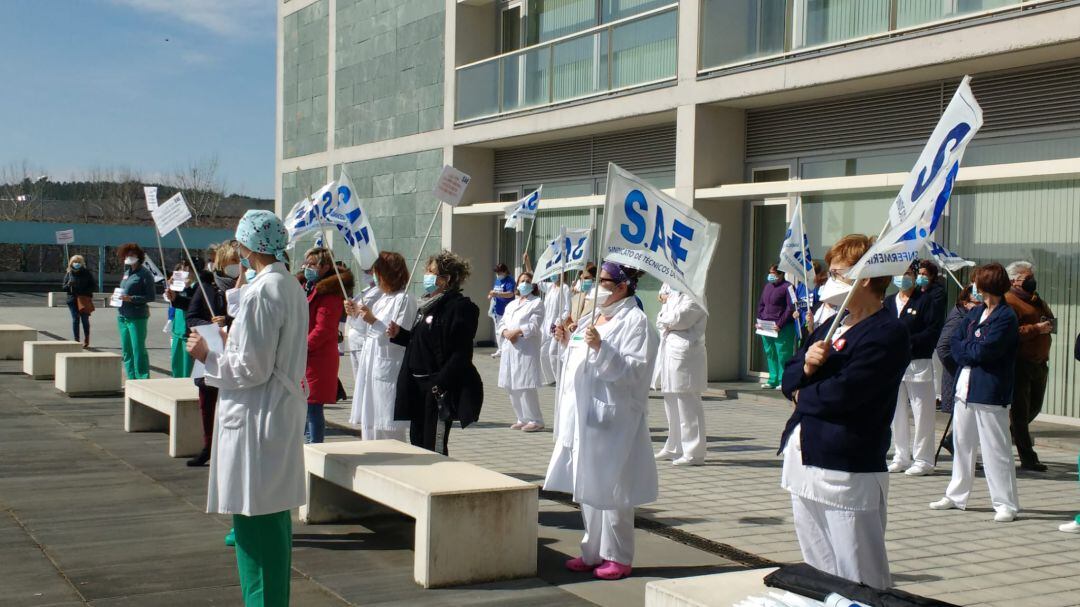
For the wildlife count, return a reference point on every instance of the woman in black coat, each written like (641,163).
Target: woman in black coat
(438,383)
(79,283)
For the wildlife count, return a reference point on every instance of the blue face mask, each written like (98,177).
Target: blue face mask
(587,284)
(922,281)
(250,275)
(975,293)
(902,282)
(525,288)
(771,278)
(311,274)
(76,266)
(430,283)
(244,262)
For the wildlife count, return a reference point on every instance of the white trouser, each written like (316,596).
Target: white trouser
(526,405)
(915,399)
(986,427)
(686,427)
(609,535)
(846,543)
(497,318)
(373,434)
(939,370)
(547,371)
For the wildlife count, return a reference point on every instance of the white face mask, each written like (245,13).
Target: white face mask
(834,291)
(607,308)
(232,270)
(131,260)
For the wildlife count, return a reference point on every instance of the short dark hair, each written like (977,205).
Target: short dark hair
(775,269)
(501,268)
(993,279)
(392,270)
(529,274)
(131,248)
(930,267)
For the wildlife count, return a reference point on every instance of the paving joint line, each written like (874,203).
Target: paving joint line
(45,552)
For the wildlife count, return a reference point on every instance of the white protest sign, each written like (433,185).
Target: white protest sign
(212,334)
(115,300)
(651,231)
(65,237)
(568,251)
(451,186)
(171,215)
(158,276)
(178,282)
(150,192)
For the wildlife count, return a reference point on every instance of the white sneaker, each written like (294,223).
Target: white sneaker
(665,454)
(496,354)
(687,461)
(1004,516)
(919,469)
(943,504)
(1070,527)
(896,466)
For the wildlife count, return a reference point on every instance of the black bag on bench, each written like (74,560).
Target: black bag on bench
(815,584)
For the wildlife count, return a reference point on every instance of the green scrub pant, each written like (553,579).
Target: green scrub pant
(181,360)
(778,350)
(133,347)
(264,558)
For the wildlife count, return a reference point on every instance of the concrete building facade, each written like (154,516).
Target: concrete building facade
(738,107)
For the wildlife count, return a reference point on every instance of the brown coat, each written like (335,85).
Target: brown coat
(1034,346)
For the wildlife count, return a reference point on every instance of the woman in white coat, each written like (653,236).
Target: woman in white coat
(680,374)
(556,312)
(257,464)
(380,360)
(603,453)
(519,368)
(358,331)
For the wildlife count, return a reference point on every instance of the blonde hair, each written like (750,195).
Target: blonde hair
(225,252)
(76,258)
(321,255)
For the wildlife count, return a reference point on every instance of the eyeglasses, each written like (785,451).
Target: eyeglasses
(838,274)
(611,280)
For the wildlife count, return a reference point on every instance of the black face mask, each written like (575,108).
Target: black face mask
(1028,285)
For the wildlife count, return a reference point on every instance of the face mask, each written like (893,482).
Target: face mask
(902,282)
(311,274)
(922,281)
(1028,285)
(587,284)
(975,293)
(834,292)
(430,283)
(244,261)
(76,266)
(602,296)
(232,270)
(500,276)
(525,288)
(545,287)
(250,275)
(771,278)
(131,260)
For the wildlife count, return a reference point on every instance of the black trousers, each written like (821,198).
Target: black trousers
(1028,393)
(422,428)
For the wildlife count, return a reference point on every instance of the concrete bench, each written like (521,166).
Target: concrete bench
(89,373)
(58,299)
(12,338)
(172,405)
(472,524)
(39,357)
(708,590)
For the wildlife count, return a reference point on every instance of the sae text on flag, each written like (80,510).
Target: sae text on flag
(567,251)
(521,209)
(795,260)
(353,223)
(917,210)
(946,258)
(305,215)
(651,231)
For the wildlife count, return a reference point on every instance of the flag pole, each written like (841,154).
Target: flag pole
(420,253)
(847,300)
(209,304)
(802,232)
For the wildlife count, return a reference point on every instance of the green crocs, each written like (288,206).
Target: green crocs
(230,539)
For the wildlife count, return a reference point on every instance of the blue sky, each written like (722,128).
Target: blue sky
(94,84)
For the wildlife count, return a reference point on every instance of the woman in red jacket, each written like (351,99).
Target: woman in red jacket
(326,304)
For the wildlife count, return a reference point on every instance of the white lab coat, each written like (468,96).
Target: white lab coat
(257,464)
(380,361)
(556,310)
(603,453)
(519,366)
(358,331)
(681,365)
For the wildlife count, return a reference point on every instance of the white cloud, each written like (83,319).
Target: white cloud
(224,17)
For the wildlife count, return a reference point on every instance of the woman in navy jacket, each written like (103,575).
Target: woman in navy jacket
(984,347)
(915,310)
(834,445)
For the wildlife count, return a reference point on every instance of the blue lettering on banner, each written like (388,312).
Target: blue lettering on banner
(634,217)
(673,246)
(955,136)
(679,231)
(579,250)
(658,232)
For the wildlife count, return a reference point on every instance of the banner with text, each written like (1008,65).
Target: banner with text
(354,224)
(566,252)
(651,231)
(171,215)
(795,260)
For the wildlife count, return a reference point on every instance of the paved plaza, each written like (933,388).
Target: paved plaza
(93,515)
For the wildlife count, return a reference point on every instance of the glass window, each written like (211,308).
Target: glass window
(579,68)
(644,51)
(550,19)
(737,30)
(828,21)
(478,90)
(510,29)
(525,79)
(770,225)
(613,10)
(915,12)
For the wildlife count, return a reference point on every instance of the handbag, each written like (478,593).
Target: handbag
(85,304)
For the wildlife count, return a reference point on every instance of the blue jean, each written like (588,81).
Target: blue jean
(315,430)
(76,317)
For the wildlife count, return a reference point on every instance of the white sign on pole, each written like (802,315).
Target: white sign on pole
(178,282)
(451,186)
(171,215)
(158,276)
(651,231)
(65,237)
(150,192)
(568,251)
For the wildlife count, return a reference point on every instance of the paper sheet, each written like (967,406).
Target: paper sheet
(212,334)
(115,300)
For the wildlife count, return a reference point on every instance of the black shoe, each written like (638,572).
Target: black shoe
(1033,467)
(200,460)
(947,443)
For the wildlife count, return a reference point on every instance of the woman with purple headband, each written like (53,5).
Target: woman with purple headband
(603,453)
